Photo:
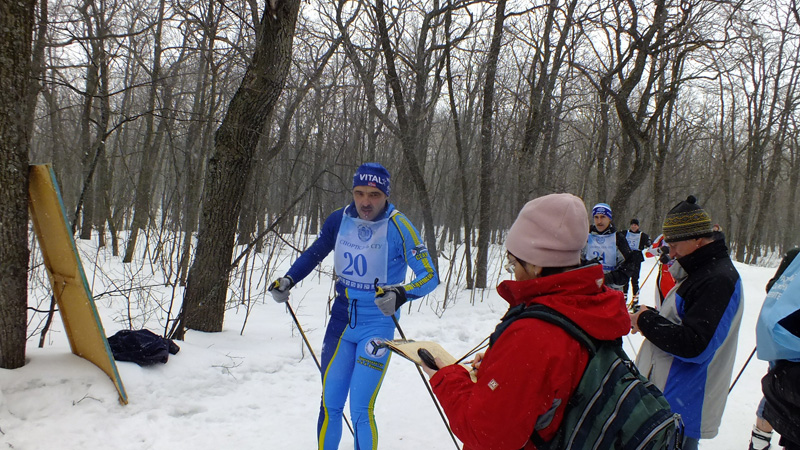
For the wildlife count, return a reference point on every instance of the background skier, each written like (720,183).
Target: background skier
(637,241)
(371,240)
(609,248)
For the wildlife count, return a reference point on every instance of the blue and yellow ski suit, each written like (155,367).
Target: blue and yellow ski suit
(352,360)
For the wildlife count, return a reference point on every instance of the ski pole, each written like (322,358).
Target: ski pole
(308,345)
(319,366)
(741,371)
(303,334)
(428,387)
(630,305)
(648,275)
(474,350)
(379,291)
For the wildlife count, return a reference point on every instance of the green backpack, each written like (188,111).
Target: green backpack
(614,406)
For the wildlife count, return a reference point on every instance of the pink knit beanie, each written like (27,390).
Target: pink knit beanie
(550,231)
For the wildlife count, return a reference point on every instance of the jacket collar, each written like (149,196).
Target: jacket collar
(578,294)
(352,211)
(580,281)
(703,255)
(610,230)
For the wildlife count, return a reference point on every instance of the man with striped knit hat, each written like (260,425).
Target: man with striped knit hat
(691,339)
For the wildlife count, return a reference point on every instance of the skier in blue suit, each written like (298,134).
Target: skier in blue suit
(371,240)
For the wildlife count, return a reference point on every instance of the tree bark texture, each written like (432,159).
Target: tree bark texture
(150,151)
(410,132)
(16,30)
(229,167)
(485,195)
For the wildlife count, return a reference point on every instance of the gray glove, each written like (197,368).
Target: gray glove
(389,299)
(280,289)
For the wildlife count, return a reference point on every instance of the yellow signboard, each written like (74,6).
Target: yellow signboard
(81,321)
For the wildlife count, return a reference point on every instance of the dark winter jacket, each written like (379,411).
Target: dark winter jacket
(691,342)
(781,385)
(644,244)
(626,263)
(527,377)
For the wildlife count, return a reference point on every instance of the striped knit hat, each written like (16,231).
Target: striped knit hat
(687,220)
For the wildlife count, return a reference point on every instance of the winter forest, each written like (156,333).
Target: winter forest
(190,135)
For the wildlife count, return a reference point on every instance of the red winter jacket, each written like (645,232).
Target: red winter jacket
(533,365)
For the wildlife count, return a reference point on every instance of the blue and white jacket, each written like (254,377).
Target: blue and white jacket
(691,341)
(405,249)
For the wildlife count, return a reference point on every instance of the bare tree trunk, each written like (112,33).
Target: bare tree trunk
(602,146)
(86,199)
(783,113)
(726,167)
(141,211)
(485,194)
(103,185)
(663,138)
(198,140)
(409,128)
(229,168)
(16,29)
(791,236)
(37,66)
(461,156)
(545,72)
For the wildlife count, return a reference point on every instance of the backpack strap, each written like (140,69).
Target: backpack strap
(549,315)
(554,317)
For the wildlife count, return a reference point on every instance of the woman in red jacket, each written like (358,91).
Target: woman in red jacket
(526,378)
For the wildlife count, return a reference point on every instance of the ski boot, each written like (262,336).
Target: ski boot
(760,439)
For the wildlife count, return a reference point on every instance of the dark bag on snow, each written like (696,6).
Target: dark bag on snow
(142,347)
(781,387)
(614,406)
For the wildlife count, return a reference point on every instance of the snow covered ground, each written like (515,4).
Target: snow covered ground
(259,388)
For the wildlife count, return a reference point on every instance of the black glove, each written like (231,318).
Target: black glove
(390,298)
(280,289)
(664,258)
(427,358)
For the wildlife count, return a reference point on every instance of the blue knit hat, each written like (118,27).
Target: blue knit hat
(602,208)
(374,175)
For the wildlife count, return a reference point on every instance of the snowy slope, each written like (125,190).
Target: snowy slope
(260,389)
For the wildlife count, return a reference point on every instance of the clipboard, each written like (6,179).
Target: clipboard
(408,349)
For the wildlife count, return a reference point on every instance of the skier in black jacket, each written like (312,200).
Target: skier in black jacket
(638,241)
(610,248)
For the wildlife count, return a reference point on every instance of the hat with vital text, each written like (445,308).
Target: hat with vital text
(374,175)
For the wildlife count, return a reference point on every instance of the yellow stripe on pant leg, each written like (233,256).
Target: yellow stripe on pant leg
(324,427)
(371,408)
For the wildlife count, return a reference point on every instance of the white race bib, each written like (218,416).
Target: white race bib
(604,247)
(361,253)
(633,240)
